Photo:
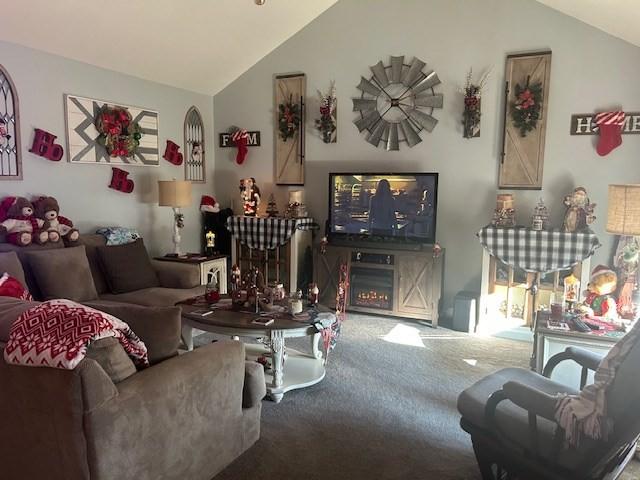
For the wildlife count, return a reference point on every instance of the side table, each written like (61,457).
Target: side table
(210,266)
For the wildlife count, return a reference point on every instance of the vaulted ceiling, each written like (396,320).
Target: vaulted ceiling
(198,45)
(203,45)
(620,18)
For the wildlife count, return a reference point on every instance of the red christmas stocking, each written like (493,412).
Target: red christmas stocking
(240,138)
(610,126)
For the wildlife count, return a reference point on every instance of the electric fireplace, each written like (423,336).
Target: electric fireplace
(371,288)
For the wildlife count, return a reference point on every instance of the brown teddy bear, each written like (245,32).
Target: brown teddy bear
(602,285)
(47,210)
(18,225)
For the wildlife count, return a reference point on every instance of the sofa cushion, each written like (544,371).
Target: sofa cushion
(10,309)
(156,296)
(91,244)
(10,263)
(22,253)
(158,327)
(63,273)
(127,268)
(112,357)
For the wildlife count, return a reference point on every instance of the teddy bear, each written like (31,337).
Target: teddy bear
(599,296)
(47,210)
(18,224)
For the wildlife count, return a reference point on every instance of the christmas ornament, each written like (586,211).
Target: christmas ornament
(171,153)
(250,194)
(610,128)
(504,214)
(119,180)
(44,146)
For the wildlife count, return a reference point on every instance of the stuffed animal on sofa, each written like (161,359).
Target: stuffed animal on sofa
(599,299)
(18,224)
(56,226)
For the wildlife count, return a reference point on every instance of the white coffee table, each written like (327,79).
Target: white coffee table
(290,368)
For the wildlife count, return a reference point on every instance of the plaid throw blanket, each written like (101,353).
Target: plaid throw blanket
(56,334)
(586,413)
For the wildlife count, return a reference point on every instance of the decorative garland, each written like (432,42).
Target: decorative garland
(289,116)
(525,111)
(119,134)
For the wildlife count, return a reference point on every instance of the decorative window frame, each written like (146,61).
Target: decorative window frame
(194,132)
(15,120)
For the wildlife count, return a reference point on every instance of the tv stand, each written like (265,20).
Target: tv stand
(385,279)
(383,244)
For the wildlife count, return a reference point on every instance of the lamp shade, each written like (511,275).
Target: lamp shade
(174,193)
(623,213)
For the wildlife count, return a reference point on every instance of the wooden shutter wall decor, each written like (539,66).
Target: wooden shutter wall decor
(10,160)
(194,165)
(522,159)
(290,154)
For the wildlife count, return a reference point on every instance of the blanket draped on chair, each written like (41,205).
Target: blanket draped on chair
(586,413)
(57,333)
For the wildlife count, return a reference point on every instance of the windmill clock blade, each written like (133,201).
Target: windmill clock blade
(367,87)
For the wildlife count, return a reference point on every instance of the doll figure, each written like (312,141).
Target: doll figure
(579,214)
(250,197)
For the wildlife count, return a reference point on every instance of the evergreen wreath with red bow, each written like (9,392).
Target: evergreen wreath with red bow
(119,134)
(289,117)
(525,110)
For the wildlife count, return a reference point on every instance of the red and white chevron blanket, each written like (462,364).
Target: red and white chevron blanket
(57,333)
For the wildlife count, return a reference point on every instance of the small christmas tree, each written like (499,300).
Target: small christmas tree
(272,208)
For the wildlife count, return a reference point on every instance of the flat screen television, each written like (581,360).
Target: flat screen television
(398,206)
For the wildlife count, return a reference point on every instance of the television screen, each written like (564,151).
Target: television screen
(402,206)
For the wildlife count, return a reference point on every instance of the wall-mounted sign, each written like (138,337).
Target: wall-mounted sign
(252,141)
(585,124)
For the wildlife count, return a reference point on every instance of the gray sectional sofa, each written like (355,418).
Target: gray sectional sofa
(185,417)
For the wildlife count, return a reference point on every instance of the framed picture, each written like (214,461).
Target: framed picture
(82,144)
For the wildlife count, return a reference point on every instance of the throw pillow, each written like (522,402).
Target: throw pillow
(158,327)
(63,273)
(11,287)
(127,267)
(112,358)
(10,263)
(119,235)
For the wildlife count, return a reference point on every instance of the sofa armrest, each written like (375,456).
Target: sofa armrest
(176,274)
(190,405)
(254,388)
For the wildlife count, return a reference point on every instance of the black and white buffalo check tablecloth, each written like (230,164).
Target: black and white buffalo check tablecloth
(538,251)
(266,233)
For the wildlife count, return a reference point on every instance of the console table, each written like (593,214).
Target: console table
(277,246)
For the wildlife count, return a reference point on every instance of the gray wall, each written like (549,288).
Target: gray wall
(590,70)
(41,80)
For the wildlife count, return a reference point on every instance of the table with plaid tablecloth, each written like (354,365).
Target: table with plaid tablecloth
(538,251)
(267,233)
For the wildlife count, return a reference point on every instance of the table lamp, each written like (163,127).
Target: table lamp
(623,218)
(176,194)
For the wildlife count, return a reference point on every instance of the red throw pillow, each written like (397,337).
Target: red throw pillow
(11,287)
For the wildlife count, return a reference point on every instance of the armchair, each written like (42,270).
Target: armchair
(510,416)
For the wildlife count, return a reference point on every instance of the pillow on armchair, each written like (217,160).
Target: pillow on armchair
(127,268)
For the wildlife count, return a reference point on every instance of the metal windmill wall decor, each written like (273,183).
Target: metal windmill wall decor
(397,103)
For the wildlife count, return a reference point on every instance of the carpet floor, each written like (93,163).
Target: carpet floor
(386,409)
